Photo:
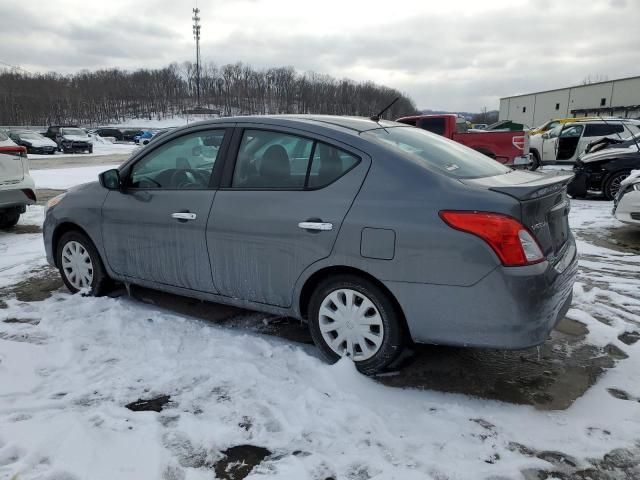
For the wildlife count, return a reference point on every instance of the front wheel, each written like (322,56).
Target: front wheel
(612,185)
(535,161)
(80,265)
(351,316)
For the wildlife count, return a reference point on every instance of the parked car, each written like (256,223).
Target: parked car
(17,189)
(144,138)
(612,142)
(110,132)
(509,148)
(73,140)
(601,173)
(33,142)
(626,206)
(510,125)
(375,233)
(566,142)
(54,131)
(130,134)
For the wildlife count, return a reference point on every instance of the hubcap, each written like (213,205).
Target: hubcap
(77,265)
(615,184)
(350,324)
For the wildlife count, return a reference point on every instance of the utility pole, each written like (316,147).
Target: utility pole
(196,35)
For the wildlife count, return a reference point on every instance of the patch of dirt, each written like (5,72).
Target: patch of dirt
(549,377)
(30,321)
(618,464)
(239,461)
(39,286)
(155,404)
(46,194)
(22,229)
(629,338)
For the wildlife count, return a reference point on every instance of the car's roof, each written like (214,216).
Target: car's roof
(352,124)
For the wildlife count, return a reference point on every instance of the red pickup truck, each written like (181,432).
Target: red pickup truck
(510,148)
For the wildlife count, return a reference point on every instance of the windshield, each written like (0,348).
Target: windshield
(435,152)
(30,136)
(74,131)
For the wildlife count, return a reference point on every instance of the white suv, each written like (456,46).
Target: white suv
(566,142)
(17,188)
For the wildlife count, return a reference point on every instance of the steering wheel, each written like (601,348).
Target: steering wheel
(188,179)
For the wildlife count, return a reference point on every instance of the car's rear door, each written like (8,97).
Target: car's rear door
(279,209)
(154,229)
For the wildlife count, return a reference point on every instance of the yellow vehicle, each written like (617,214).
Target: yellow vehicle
(545,127)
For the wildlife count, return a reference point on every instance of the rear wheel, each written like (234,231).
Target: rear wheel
(351,316)
(612,185)
(80,265)
(9,219)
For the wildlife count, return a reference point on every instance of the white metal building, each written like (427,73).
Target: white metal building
(619,98)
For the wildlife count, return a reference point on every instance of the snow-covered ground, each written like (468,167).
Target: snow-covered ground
(69,364)
(64,178)
(99,149)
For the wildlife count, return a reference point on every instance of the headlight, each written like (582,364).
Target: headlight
(55,201)
(636,186)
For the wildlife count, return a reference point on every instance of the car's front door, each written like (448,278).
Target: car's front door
(154,228)
(549,143)
(568,141)
(279,210)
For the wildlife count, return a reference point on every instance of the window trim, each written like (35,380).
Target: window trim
(214,180)
(226,183)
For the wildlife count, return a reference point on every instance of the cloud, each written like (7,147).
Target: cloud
(459,56)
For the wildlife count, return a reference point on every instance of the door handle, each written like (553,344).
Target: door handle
(323,226)
(184,216)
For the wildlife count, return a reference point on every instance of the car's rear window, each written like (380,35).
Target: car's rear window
(435,152)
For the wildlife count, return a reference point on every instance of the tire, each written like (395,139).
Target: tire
(9,220)
(91,150)
(389,328)
(80,243)
(535,164)
(612,184)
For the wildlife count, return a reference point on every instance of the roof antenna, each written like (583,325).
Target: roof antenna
(376,118)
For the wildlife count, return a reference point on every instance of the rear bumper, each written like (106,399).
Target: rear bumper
(17,198)
(510,308)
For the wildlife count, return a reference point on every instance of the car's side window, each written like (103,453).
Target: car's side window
(329,164)
(183,163)
(574,131)
(272,160)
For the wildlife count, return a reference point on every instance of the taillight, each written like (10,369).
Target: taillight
(512,241)
(519,142)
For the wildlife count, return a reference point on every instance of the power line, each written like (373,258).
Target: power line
(14,66)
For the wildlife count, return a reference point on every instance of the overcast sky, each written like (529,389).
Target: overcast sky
(453,55)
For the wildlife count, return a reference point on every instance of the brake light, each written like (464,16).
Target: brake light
(519,142)
(513,243)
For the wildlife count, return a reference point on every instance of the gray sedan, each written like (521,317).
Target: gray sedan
(377,234)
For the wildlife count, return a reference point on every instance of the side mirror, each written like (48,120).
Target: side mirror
(111,179)
(545,136)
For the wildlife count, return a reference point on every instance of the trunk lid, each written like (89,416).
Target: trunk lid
(11,165)
(544,205)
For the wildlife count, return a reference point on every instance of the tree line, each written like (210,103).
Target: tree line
(92,98)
